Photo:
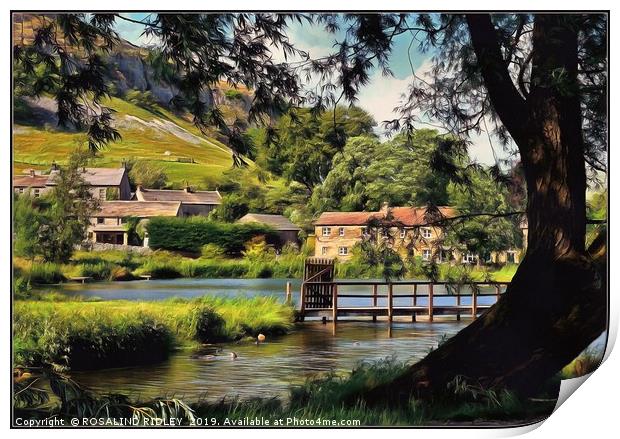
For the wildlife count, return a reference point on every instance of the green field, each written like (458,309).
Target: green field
(153,134)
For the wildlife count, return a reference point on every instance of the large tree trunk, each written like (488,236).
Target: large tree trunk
(556,303)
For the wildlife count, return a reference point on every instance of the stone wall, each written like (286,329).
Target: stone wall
(99,246)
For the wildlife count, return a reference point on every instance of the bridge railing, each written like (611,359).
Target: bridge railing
(454,290)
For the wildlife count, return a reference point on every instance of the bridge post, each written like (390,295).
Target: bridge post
(288,293)
(430,302)
(415,302)
(302,300)
(335,303)
(474,304)
(458,302)
(390,304)
(374,301)
(497,292)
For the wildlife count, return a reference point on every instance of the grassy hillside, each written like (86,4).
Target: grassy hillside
(153,134)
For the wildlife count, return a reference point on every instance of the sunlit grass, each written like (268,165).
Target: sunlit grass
(95,334)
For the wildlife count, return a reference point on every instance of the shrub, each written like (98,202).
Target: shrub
(45,273)
(191,234)
(21,288)
(212,251)
(257,249)
(160,269)
(210,326)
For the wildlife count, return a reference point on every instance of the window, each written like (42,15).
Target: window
(469,258)
(37,192)
(426,232)
(343,251)
(511,256)
(327,231)
(426,254)
(403,232)
(99,220)
(102,193)
(323,251)
(341,231)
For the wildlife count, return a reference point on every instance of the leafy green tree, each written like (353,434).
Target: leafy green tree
(231,208)
(71,205)
(147,174)
(50,226)
(482,235)
(302,144)
(27,219)
(368,172)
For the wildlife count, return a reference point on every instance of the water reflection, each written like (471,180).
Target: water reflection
(269,369)
(162,289)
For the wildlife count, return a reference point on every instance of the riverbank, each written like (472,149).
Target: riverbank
(69,333)
(325,401)
(114,265)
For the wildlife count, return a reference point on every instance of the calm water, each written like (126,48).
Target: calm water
(162,289)
(270,368)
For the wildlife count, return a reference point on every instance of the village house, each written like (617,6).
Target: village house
(288,232)
(104,183)
(33,182)
(409,230)
(193,202)
(109,224)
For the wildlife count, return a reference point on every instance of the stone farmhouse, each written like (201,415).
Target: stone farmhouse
(104,183)
(288,232)
(109,224)
(336,233)
(192,202)
(117,203)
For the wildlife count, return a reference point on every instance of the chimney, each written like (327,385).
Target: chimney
(124,164)
(187,189)
(32,173)
(54,166)
(139,188)
(385,206)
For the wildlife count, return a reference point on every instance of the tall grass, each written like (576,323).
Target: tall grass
(84,335)
(117,265)
(44,273)
(334,397)
(319,402)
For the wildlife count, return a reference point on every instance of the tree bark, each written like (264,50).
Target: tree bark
(555,305)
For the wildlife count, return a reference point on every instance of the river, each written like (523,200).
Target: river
(262,370)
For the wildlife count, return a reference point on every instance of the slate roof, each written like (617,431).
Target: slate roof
(278,222)
(184,196)
(30,180)
(402,216)
(96,176)
(139,209)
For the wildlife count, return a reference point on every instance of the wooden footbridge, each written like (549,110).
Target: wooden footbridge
(322,296)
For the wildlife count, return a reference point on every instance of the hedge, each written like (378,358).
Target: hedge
(191,233)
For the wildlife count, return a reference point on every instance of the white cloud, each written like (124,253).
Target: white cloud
(386,92)
(382,94)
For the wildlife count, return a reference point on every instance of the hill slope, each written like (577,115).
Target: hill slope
(153,134)
(149,132)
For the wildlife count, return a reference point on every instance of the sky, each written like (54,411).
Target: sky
(379,97)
